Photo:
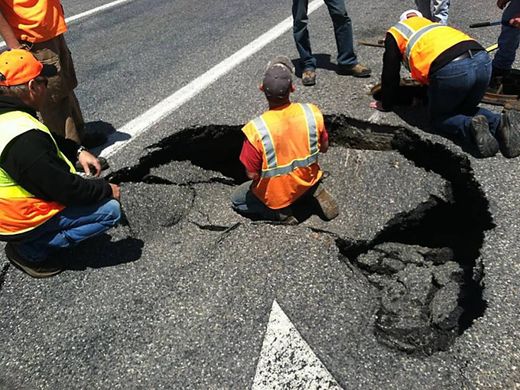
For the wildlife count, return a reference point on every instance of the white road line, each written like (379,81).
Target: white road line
(152,116)
(87,13)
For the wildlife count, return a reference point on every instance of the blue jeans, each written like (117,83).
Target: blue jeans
(69,227)
(342,31)
(509,38)
(454,93)
(435,10)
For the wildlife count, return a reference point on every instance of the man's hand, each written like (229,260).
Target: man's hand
(377,105)
(502,3)
(515,22)
(252,175)
(87,159)
(116,191)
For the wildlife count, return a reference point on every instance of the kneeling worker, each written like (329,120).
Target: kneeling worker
(44,205)
(280,153)
(456,70)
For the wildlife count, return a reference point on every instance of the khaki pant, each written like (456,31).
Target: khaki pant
(61,112)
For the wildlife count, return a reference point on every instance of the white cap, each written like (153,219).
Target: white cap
(409,14)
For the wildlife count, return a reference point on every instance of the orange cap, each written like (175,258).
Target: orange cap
(17,67)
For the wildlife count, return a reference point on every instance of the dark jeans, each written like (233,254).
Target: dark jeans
(509,38)
(342,31)
(454,93)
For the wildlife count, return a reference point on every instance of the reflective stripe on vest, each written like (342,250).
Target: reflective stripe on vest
(415,38)
(20,211)
(273,169)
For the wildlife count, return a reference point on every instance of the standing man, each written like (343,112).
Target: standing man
(347,60)
(508,40)
(280,153)
(456,69)
(435,10)
(44,205)
(39,26)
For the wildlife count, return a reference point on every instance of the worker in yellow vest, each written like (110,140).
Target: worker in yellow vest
(280,153)
(44,204)
(456,69)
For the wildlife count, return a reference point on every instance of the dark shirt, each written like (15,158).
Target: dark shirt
(392,58)
(32,161)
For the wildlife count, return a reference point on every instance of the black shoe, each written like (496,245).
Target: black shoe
(326,203)
(309,77)
(93,139)
(357,70)
(102,161)
(487,145)
(36,270)
(286,217)
(508,133)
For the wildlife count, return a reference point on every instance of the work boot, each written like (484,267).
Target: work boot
(36,270)
(508,133)
(309,77)
(487,145)
(326,203)
(357,70)
(286,217)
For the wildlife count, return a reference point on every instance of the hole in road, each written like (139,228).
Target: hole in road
(424,263)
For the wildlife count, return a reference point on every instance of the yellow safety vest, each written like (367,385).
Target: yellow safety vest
(422,41)
(20,211)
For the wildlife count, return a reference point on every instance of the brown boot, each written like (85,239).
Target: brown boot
(326,202)
(36,270)
(357,70)
(309,77)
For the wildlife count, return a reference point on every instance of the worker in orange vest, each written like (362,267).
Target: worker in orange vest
(38,26)
(457,70)
(280,153)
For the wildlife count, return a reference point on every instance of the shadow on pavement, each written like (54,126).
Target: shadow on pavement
(100,252)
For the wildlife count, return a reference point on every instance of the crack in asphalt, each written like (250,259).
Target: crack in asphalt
(431,232)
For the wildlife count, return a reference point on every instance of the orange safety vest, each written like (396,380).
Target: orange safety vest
(34,20)
(289,140)
(422,41)
(20,211)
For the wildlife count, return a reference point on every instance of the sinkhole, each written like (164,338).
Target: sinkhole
(424,263)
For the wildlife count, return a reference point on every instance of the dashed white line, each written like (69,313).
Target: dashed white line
(152,116)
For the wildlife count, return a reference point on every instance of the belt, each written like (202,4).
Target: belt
(466,54)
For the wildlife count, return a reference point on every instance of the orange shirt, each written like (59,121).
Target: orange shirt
(34,20)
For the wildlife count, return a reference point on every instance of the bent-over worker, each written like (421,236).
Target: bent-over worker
(456,69)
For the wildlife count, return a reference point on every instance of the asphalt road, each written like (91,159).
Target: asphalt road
(190,294)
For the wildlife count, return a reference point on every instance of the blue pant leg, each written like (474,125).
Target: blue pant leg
(424,7)
(508,39)
(481,65)
(301,33)
(69,227)
(439,10)
(454,94)
(342,32)
(245,202)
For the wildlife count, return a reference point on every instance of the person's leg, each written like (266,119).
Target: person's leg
(301,34)
(58,111)
(424,7)
(439,11)
(508,41)
(454,93)
(245,202)
(69,227)
(342,32)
